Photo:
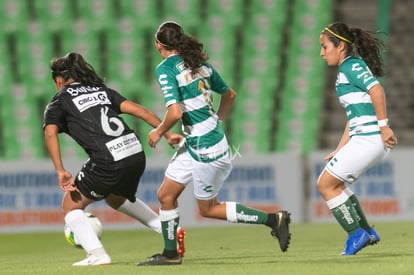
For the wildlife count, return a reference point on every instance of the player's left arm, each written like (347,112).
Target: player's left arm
(378,101)
(137,110)
(226,103)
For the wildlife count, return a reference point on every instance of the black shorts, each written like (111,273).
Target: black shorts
(96,182)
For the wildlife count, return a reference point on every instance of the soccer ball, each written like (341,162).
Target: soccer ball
(96,225)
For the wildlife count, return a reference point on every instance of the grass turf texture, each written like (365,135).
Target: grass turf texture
(245,249)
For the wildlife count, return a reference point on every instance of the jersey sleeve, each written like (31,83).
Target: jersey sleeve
(168,84)
(359,74)
(116,99)
(53,113)
(217,83)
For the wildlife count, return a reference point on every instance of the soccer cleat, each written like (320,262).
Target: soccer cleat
(94,260)
(281,229)
(374,238)
(180,241)
(159,259)
(355,242)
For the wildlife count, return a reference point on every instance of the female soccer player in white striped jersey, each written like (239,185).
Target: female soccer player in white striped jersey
(188,82)
(367,137)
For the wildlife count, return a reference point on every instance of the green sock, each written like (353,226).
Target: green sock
(169,232)
(250,215)
(346,216)
(362,220)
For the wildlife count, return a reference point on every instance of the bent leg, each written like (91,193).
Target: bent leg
(73,205)
(238,213)
(231,211)
(332,190)
(137,210)
(74,200)
(168,194)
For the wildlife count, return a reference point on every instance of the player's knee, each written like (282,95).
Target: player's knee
(204,212)
(324,184)
(165,198)
(323,188)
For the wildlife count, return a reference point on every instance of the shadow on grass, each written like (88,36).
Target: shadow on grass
(229,260)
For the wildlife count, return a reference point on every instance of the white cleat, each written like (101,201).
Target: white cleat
(94,260)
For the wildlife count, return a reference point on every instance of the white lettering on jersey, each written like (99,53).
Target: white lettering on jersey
(106,127)
(86,101)
(162,79)
(356,67)
(365,75)
(124,146)
(83,89)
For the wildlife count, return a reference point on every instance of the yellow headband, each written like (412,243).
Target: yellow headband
(338,36)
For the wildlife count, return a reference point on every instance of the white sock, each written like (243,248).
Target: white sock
(337,201)
(80,226)
(348,191)
(168,215)
(231,212)
(143,213)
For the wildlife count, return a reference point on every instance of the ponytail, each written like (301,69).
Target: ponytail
(172,37)
(74,66)
(358,42)
(369,48)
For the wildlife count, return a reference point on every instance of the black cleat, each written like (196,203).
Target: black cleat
(281,229)
(159,259)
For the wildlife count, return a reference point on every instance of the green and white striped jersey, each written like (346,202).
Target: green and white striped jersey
(352,85)
(205,138)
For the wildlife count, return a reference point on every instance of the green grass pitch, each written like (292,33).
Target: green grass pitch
(238,249)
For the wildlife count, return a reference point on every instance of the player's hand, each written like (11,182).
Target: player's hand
(153,138)
(66,181)
(388,137)
(330,155)
(174,139)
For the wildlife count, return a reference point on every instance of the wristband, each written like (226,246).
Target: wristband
(383,122)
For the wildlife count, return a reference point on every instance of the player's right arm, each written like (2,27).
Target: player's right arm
(172,116)
(66,181)
(344,140)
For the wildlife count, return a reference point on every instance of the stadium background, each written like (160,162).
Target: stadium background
(268,50)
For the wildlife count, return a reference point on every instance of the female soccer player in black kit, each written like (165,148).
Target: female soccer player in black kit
(87,110)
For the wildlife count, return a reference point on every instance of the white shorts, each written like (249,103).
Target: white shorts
(356,157)
(207,178)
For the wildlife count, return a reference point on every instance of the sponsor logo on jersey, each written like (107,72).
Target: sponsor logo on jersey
(82,90)
(86,101)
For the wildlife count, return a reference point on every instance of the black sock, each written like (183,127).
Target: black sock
(271,220)
(170,253)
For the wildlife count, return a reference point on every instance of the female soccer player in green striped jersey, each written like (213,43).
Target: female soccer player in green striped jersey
(187,82)
(367,137)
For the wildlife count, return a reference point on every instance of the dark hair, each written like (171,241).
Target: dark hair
(360,42)
(74,66)
(172,37)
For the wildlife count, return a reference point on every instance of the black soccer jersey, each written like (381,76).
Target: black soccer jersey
(90,115)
